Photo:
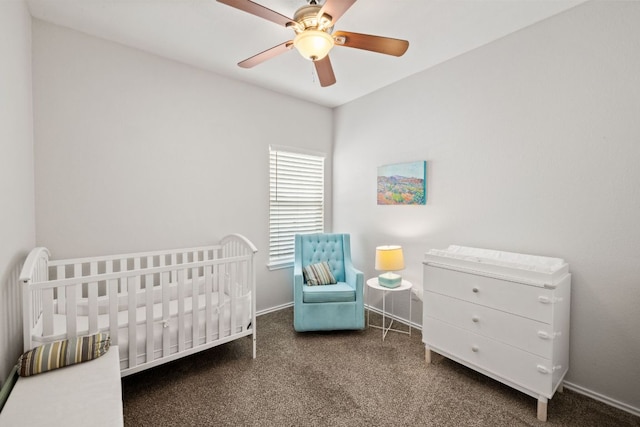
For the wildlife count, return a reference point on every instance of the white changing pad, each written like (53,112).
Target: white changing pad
(534,269)
(85,394)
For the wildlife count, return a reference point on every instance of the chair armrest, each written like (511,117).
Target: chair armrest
(298,281)
(355,279)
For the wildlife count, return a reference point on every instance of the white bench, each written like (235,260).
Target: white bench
(88,393)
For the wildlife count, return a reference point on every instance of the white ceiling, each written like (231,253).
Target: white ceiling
(215,37)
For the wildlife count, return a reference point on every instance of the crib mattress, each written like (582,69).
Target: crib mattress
(88,393)
(531,269)
(242,316)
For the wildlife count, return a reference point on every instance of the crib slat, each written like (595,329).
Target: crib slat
(113,310)
(71,310)
(47,312)
(148,287)
(131,285)
(136,266)
(61,274)
(112,293)
(243,266)
(208,271)
(92,296)
(221,290)
(195,307)
(164,283)
(216,278)
(123,284)
(181,279)
(174,261)
(233,293)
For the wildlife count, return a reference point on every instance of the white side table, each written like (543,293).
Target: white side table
(404,286)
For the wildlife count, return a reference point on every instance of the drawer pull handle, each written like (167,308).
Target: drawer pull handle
(475,290)
(546,300)
(475,349)
(475,319)
(545,370)
(548,336)
(542,369)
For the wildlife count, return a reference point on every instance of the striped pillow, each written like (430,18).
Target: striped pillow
(59,354)
(318,274)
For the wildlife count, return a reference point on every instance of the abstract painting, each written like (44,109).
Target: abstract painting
(403,184)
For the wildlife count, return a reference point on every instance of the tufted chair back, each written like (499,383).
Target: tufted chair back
(324,247)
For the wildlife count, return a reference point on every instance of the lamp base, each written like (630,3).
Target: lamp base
(390,280)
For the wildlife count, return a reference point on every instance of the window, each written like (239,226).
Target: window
(296,200)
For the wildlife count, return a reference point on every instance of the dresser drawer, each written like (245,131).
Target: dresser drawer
(502,361)
(526,334)
(524,300)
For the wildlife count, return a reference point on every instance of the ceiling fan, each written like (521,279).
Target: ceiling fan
(313,25)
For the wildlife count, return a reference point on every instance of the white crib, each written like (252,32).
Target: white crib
(157,306)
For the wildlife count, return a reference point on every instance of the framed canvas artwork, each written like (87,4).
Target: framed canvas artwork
(403,184)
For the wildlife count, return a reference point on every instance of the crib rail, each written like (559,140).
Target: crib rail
(206,294)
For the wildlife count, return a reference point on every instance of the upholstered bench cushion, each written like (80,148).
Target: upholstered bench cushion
(340,292)
(84,394)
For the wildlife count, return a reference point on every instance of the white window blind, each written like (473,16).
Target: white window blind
(296,201)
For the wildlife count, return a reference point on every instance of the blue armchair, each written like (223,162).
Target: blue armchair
(327,307)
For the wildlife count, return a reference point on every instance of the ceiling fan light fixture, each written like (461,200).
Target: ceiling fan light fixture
(313,44)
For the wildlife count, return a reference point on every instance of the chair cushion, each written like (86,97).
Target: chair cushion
(340,292)
(318,274)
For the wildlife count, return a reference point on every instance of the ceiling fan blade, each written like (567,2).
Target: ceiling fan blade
(267,54)
(259,10)
(386,45)
(335,9)
(325,71)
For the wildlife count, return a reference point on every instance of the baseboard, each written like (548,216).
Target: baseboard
(602,398)
(272,309)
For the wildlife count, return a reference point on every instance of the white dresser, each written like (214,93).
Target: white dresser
(503,314)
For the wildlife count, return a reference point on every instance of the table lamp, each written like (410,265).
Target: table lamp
(389,259)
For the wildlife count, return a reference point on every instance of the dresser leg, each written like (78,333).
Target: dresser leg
(542,408)
(561,388)
(427,355)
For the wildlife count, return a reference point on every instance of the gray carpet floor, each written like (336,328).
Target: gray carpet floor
(338,379)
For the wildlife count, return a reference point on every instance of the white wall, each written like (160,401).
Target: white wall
(136,152)
(532,145)
(17,226)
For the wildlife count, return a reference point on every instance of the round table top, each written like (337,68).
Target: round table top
(373,283)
